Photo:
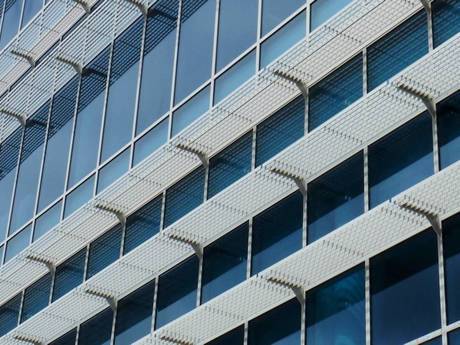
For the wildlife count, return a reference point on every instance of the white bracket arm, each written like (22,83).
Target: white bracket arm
(431,217)
(296,81)
(26,56)
(427,101)
(85,5)
(28,339)
(172,340)
(427,5)
(197,247)
(299,181)
(201,155)
(110,299)
(75,65)
(119,214)
(142,6)
(20,117)
(298,291)
(50,265)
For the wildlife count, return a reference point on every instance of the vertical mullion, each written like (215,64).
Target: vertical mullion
(214,51)
(442,288)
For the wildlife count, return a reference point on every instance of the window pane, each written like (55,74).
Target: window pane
(31,8)
(177,292)
(36,297)
(143,224)
(69,274)
(397,50)
(19,242)
(280,130)
(336,311)
(335,198)
(335,92)
(97,331)
(454,337)
(157,69)
(195,46)
(237,29)
(79,196)
(134,315)
(151,141)
(322,10)
(400,160)
(451,240)
(446,20)
(436,341)
(11,20)
(224,263)
(401,278)
(9,314)
(113,170)
(277,232)
(47,221)
(230,165)
(449,130)
(184,196)
(275,11)
(122,89)
(280,326)
(66,339)
(234,337)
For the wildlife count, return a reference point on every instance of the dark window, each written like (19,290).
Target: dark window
(9,314)
(69,274)
(97,331)
(454,337)
(234,337)
(451,239)
(322,10)
(401,278)
(67,339)
(275,11)
(449,130)
(446,20)
(435,341)
(36,297)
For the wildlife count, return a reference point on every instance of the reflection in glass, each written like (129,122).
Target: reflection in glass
(31,8)
(69,274)
(448,113)
(446,20)
(47,221)
(11,20)
(97,330)
(9,314)
(451,245)
(113,170)
(19,242)
(36,297)
(234,337)
(79,196)
(275,11)
(322,10)
(151,141)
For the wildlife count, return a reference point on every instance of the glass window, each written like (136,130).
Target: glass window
(275,11)
(280,130)
(435,341)
(9,314)
(454,337)
(88,122)
(97,330)
(79,196)
(104,250)
(277,232)
(11,20)
(231,79)
(151,141)
(31,8)
(335,198)
(184,196)
(322,10)
(401,159)
(69,274)
(29,168)
(47,221)
(237,29)
(335,92)
(234,337)
(67,339)
(397,50)
(190,111)
(158,64)
(451,240)
(122,89)
(195,46)
(177,291)
(19,242)
(278,326)
(57,148)
(143,224)
(283,39)
(113,170)
(36,297)
(446,20)
(230,165)
(449,130)
(224,263)
(401,278)
(336,311)
(134,315)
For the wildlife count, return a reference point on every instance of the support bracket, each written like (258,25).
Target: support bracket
(142,6)
(431,217)
(298,82)
(50,265)
(201,155)
(172,340)
(426,5)
(75,65)
(110,299)
(427,101)
(197,247)
(26,56)
(119,214)
(297,179)
(28,339)
(20,117)
(298,291)
(85,5)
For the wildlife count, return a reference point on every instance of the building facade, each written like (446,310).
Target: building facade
(230,172)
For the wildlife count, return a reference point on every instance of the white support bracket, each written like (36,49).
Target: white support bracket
(26,56)
(153,11)
(201,155)
(431,217)
(28,339)
(48,263)
(75,65)
(85,5)
(426,5)
(172,340)
(298,291)
(110,299)
(141,5)
(299,181)
(119,214)
(20,117)
(426,99)
(296,81)
(197,247)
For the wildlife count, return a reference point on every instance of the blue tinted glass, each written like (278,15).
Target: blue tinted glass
(224,263)
(47,221)
(57,149)
(18,243)
(400,160)
(322,10)
(11,20)
(143,224)
(66,339)
(190,111)
(451,240)
(436,341)
(104,250)
(277,232)
(234,337)
(335,92)
(134,315)
(230,165)
(195,46)
(397,50)
(69,274)
(113,170)
(151,141)
(237,29)
(280,326)
(157,68)
(6,189)
(87,130)
(275,11)
(401,278)
(283,39)
(31,8)
(177,292)
(9,314)
(97,331)
(335,198)
(280,130)
(122,90)
(234,77)
(446,20)
(184,196)
(79,196)
(336,311)
(29,168)
(449,130)
(454,337)
(36,297)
